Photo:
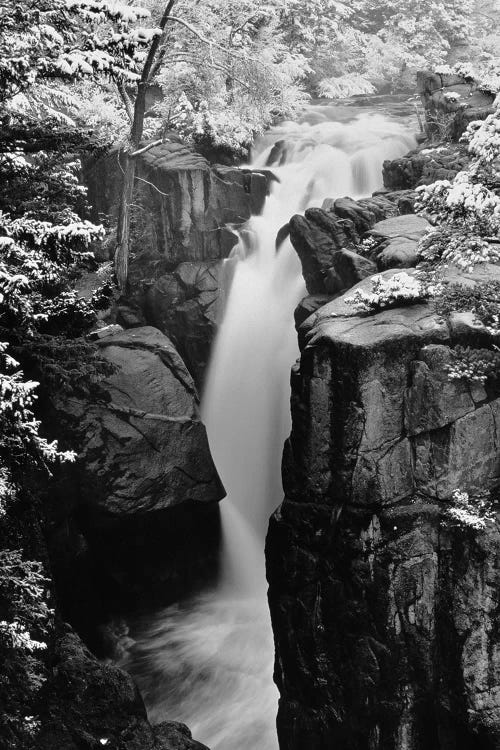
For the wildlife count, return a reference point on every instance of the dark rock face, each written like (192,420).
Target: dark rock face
(326,238)
(424,165)
(188,203)
(187,303)
(326,241)
(385,617)
(179,238)
(87,705)
(454,96)
(124,519)
(144,448)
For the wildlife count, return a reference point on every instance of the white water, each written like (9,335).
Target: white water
(208,662)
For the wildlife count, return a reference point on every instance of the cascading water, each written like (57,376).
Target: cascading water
(208,662)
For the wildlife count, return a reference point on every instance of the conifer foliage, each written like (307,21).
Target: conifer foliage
(46,241)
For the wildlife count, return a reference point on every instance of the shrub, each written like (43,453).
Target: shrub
(483,300)
(474,365)
(401,288)
(470,512)
(444,245)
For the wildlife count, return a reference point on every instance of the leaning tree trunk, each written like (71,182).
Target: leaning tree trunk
(123,229)
(129,160)
(129,167)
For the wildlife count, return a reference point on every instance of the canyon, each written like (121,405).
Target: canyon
(385,616)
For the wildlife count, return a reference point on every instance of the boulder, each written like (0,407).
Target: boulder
(186,304)
(363,213)
(399,253)
(325,245)
(424,165)
(142,445)
(399,239)
(410,227)
(87,704)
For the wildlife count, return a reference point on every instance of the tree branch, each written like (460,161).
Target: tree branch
(211,44)
(147,147)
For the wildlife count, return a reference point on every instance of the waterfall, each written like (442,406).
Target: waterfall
(209,662)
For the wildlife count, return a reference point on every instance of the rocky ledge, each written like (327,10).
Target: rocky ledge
(185,215)
(328,242)
(453,100)
(143,483)
(86,705)
(385,614)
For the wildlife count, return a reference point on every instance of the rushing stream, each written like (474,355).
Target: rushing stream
(208,662)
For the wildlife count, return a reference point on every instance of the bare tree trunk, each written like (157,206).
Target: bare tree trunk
(123,230)
(129,159)
(129,167)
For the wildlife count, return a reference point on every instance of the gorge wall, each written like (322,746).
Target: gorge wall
(185,216)
(124,518)
(385,610)
(385,615)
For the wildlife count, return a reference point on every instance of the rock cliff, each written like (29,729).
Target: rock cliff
(453,100)
(143,484)
(183,216)
(385,613)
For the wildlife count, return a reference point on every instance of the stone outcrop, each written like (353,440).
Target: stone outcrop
(385,613)
(183,216)
(187,303)
(144,447)
(143,493)
(453,101)
(424,165)
(326,240)
(87,704)
(397,239)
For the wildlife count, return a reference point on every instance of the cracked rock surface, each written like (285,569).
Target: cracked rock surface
(386,616)
(143,445)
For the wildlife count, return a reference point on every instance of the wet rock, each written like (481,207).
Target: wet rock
(143,447)
(186,305)
(89,705)
(364,213)
(308,306)
(173,735)
(381,608)
(277,154)
(424,165)
(186,203)
(325,245)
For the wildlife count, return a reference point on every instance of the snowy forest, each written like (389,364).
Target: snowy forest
(194,196)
